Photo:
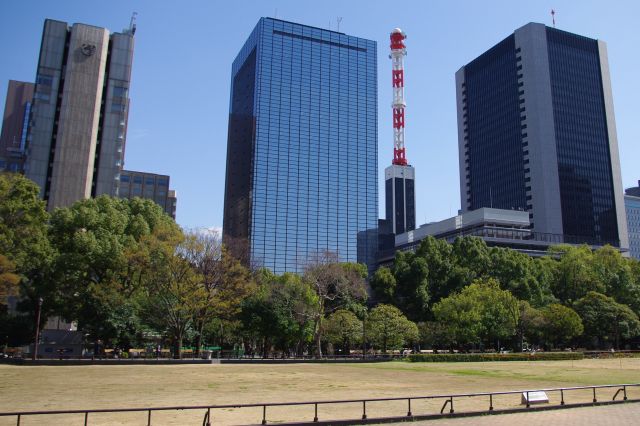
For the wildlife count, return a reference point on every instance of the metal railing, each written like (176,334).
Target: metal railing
(448,402)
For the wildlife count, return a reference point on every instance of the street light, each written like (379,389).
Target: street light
(34,356)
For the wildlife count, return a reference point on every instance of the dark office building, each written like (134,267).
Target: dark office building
(15,123)
(400,198)
(302,146)
(536,132)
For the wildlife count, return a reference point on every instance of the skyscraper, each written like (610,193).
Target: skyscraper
(536,132)
(302,146)
(14,125)
(76,141)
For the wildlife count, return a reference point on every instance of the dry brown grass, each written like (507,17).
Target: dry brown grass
(82,387)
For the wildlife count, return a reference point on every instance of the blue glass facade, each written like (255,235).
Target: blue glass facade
(582,142)
(302,146)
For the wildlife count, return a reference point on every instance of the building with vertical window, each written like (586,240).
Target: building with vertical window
(150,186)
(76,141)
(302,149)
(15,122)
(632,206)
(536,133)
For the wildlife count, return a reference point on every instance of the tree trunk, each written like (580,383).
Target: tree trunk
(199,340)
(178,347)
(318,337)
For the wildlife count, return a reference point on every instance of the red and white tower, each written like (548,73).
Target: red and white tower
(400,201)
(398,52)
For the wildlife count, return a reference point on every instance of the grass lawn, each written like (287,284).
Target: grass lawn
(80,387)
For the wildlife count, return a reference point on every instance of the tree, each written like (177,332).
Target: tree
(574,276)
(481,312)
(336,285)
(9,280)
(172,286)
(384,285)
(561,324)
(434,335)
(606,320)
(412,289)
(224,280)
(616,275)
(388,328)
(531,325)
(343,328)
(101,244)
(516,272)
(282,312)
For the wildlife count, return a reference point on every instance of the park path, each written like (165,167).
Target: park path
(606,415)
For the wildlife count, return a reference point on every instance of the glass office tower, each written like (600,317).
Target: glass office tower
(536,132)
(302,146)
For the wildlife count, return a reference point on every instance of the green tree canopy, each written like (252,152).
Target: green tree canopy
(561,324)
(388,328)
(344,329)
(606,320)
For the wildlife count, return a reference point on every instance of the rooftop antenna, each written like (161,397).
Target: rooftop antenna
(553,17)
(339,19)
(132,23)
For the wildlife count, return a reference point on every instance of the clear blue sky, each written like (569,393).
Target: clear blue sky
(182,66)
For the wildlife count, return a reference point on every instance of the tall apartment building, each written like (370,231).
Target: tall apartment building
(632,207)
(79,116)
(536,132)
(15,122)
(302,149)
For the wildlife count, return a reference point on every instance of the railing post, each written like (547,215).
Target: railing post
(594,395)
(561,396)
(86,417)
(149,418)
(315,417)
(451,409)
(528,405)
(264,414)
(364,410)
(409,412)
(625,392)
(490,402)
(207,418)
(18,424)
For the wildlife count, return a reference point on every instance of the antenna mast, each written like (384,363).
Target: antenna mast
(132,23)
(398,52)
(553,17)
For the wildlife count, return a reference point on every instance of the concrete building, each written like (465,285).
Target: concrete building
(76,142)
(536,132)
(148,185)
(14,125)
(632,206)
(302,149)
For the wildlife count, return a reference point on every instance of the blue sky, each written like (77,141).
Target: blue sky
(182,65)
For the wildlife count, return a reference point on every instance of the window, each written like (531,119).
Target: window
(124,178)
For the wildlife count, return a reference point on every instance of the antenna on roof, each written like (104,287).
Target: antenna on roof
(553,17)
(132,23)
(339,19)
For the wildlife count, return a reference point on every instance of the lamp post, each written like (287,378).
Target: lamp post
(35,345)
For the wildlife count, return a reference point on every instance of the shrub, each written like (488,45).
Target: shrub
(539,356)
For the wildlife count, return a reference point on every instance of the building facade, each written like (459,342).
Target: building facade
(400,197)
(76,140)
(632,206)
(15,123)
(302,150)
(536,133)
(148,185)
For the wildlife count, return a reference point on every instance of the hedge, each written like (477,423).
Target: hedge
(524,356)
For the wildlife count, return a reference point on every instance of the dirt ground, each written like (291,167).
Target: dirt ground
(92,387)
